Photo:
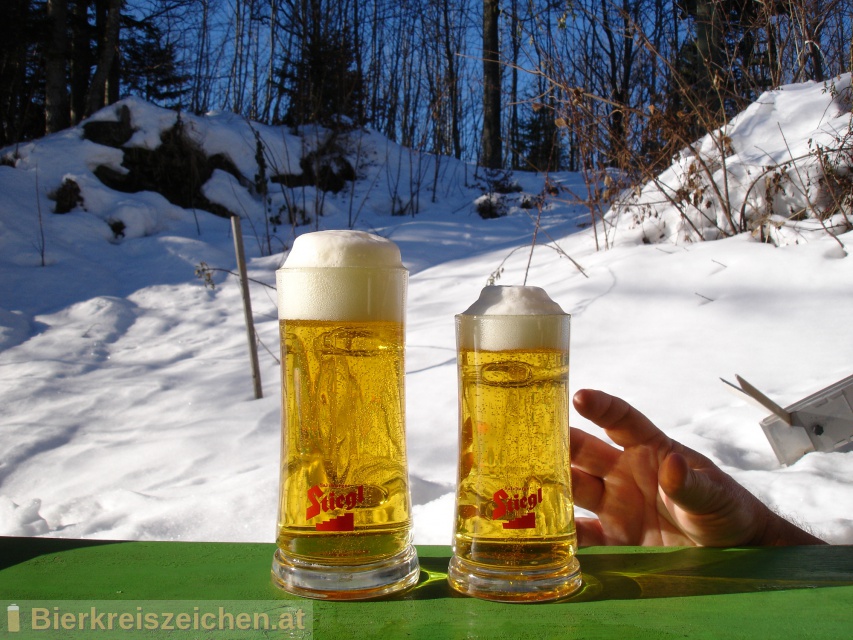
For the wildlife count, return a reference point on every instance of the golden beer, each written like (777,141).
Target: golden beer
(515,534)
(344,524)
(344,494)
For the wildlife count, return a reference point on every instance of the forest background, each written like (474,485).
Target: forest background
(610,88)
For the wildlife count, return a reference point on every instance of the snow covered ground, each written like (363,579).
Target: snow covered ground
(126,406)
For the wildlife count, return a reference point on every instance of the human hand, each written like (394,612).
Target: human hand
(657,492)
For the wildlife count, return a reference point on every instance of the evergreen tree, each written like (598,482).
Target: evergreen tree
(724,60)
(23,32)
(539,140)
(149,68)
(324,83)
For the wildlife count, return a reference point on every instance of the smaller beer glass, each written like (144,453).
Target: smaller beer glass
(344,523)
(515,537)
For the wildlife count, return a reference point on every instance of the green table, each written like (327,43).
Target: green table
(629,593)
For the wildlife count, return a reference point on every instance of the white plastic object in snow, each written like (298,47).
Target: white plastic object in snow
(822,421)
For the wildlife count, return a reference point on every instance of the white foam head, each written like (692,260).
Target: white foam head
(513,317)
(342,275)
(343,248)
(513,301)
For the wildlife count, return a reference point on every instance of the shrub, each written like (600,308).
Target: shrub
(67,196)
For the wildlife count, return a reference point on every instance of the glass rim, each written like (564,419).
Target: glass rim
(349,266)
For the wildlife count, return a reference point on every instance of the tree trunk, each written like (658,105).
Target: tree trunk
(14,14)
(709,36)
(81,59)
(97,96)
(491,158)
(515,44)
(812,25)
(201,78)
(56,115)
(452,75)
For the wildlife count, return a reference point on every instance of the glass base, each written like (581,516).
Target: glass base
(505,584)
(346,582)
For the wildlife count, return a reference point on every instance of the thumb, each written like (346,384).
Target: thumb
(692,490)
(711,508)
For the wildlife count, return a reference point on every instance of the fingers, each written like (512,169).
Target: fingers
(590,454)
(587,490)
(624,424)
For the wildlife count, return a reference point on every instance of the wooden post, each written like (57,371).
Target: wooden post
(247,305)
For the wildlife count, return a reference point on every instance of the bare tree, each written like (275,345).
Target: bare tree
(15,88)
(492,156)
(56,116)
(81,59)
(97,95)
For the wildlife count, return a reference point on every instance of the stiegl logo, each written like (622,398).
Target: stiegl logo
(515,505)
(320,501)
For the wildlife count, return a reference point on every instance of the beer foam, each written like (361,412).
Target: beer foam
(513,317)
(513,301)
(342,275)
(343,248)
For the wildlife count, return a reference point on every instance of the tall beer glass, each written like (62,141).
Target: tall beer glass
(344,524)
(515,535)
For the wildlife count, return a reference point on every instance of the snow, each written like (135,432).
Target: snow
(126,405)
(746,158)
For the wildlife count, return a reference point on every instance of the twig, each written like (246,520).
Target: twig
(811,207)
(559,249)
(535,233)
(203,271)
(41,242)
